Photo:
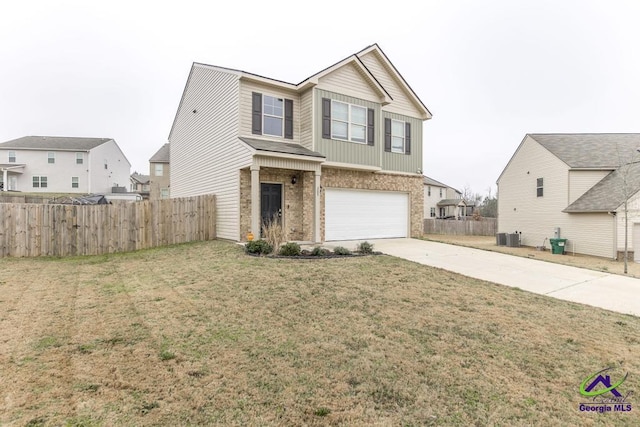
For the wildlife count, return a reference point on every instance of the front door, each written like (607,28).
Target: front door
(270,202)
(13,183)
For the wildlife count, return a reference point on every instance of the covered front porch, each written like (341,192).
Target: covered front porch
(281,185)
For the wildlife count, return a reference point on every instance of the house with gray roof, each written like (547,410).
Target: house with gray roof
(443,201)
(576,186)
(52,164)
(337,156)
(159,178)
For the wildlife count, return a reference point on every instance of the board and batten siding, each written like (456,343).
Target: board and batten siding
(306,119)
(580,181)
(348,80)
(401,162)
(402,103)
(206,154)
(246,90)
(519,208)
(345,151)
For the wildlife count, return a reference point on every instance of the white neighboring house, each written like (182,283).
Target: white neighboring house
(443,201)
(572,185)
(48,164)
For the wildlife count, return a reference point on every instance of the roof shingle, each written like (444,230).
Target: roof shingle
(54,143)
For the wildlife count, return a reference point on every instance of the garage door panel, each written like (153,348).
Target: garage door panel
(353,214)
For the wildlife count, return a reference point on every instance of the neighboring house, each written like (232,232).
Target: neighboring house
(160,173)
(337,156)
(441,201)
(54,164)
(573,185)
(140,185)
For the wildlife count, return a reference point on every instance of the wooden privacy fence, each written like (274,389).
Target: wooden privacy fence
(62,230)
(483,227)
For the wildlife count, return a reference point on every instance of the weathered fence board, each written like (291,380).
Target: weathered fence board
(28,229)
(483,227)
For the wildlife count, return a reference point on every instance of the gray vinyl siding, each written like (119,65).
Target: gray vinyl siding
(582,180)
(206,155)
(345,151)
(519,208)
(403,162)
(306,120)
(401,103)
(246,89)
(349,81)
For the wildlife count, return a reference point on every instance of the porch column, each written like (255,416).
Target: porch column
(255,201)
(5,180)
(316,207)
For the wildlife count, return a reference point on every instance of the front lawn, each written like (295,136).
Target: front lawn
(201,334)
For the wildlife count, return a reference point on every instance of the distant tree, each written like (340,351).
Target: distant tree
(489,206)
(629,181)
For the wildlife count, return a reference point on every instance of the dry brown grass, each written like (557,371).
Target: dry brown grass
(201,334)
(489,243)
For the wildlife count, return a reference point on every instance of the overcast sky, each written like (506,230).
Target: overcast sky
(490,71)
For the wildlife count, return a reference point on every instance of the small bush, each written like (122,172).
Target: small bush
(365,248)
(261,247)
(341,251)
(290,249)
(319,251)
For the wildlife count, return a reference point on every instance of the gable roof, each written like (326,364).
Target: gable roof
(311,81)
(140,178)
(54,143)
(430,181)
(280,147)
(162,155)
(452,202)
(609,193)
(591,150)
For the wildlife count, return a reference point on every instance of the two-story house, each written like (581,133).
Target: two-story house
(140,184)
(580,187)
(51,164)
(441,200)
(337,156)
(160,173)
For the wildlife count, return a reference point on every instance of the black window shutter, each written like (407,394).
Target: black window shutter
(288,118)
(256,113)
(326,118)
(370,126)
(407,138)
(387,135)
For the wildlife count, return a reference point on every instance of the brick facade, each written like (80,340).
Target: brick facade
(298,198)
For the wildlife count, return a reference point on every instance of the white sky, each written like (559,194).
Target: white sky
(490,71)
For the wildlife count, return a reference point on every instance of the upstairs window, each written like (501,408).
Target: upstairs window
(159,169)
(271,116)
(539,187)
(51,158)
(39,182)
(79,158)
(347,122)
(397,136)
(429,190)
(12,156)
(441,192)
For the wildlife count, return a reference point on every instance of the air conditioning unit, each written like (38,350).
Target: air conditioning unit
(501,239)
(513,240)
(118,189)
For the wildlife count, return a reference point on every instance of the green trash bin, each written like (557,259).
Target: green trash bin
(557,246)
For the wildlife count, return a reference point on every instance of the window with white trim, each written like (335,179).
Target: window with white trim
(539,187)
(272,115)
(348,122)
(432,213)
(75,183)
(79,158)
(429,190)
(440,192)
(164,193)
(39,182)
(397,136)
(51,158)
(12,156)
(158,169)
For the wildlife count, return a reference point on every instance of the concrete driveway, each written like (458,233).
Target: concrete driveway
(598,289)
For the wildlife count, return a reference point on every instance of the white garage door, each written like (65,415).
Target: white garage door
(358,214)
